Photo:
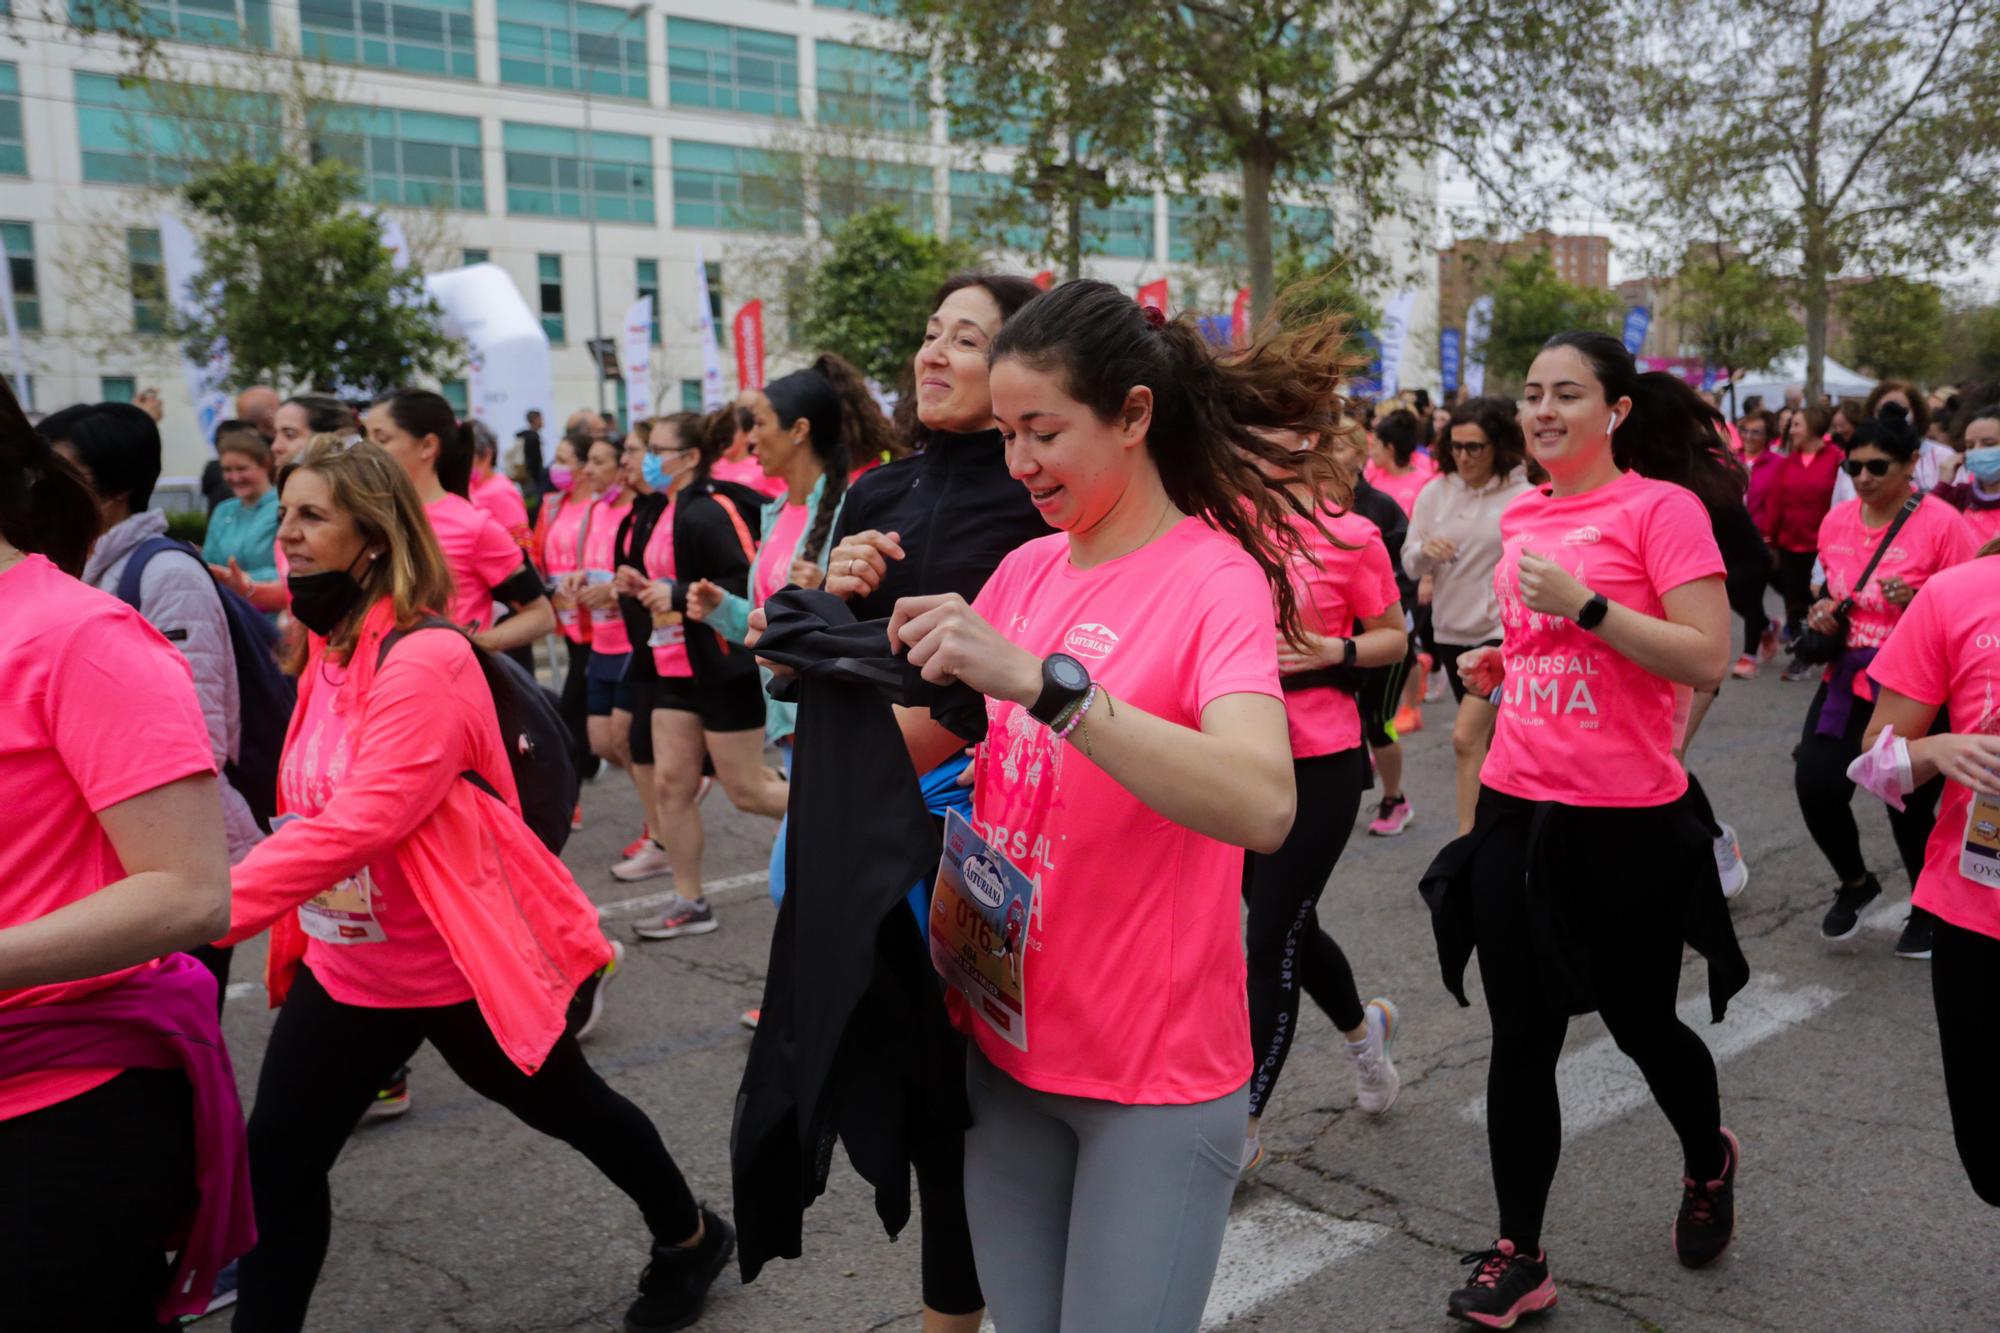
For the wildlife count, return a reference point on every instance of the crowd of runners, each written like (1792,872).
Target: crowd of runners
(979,662)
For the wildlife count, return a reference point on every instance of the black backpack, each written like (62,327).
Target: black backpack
(265,695)
(532,729)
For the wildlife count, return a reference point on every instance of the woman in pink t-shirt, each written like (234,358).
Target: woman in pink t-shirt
(1394,466)
(494,493)
(1127,660)
(1934,537)
(487,565)
(561,529)
(408,904)
(1944,656)
(113,858)
(1589,865)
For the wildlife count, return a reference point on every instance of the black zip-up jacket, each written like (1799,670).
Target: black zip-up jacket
(708,546)
(956,510)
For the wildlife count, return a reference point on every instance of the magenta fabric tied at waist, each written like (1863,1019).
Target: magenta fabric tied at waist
(1843,688)
(161,1018)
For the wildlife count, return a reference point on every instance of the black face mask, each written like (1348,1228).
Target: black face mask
(321,601)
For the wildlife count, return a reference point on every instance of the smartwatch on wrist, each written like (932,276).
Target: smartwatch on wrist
(1347,651)
(1593,612)
(1064,682)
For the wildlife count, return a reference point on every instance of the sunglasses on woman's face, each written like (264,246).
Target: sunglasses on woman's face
(1476,447)
(1875,467)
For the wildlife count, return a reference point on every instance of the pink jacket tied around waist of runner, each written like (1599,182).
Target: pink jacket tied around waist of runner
(513,918)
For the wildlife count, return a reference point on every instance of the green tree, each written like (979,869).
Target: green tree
(1973,335)
(1531,305)
(869,297)
(299,286)
(1737,310)
(1894,329)
(1310,289)
(1872,143)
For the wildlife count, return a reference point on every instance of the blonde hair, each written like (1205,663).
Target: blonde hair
(372,489)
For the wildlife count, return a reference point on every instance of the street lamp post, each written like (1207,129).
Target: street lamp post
(637,11)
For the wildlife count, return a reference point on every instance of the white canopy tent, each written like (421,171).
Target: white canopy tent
(1772,383)
(507,367)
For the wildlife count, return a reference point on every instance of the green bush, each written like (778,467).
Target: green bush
(188,525)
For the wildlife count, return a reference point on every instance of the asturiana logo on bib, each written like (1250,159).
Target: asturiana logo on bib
(1091,640)
(983,882)
(1587,535)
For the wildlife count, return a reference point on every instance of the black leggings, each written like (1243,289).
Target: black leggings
(323,1065)
(950,1278)
(1631,922)
(575,707)
(1794,580)
(1287,945)
(94,1189)
(1826,797)
(1744,585)
(1965,987)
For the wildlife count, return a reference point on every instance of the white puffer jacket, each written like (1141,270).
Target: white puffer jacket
(178,598)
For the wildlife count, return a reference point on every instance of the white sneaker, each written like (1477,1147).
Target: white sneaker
(648,862)
(1253,1159)
(1729,863)
(1375,1072)
(1436,687)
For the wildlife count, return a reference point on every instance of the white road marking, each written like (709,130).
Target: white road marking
(1886,918)
(1597,1084)
(1271,1246)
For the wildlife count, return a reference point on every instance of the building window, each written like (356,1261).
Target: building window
(690,395)
(148,279)
(13,137)
(1122,231)
(575,46)
(131,136)
(712,270)
(1011,131)
(205,22)
(884,8)
(647,271)
(732,69)
(871,89)
(117,389)
(849,185)
(453,392)
(719,188)
(548,272)
(974,194)
(566,174)
(416,158)
(470,257)
(420,36)
(19,238)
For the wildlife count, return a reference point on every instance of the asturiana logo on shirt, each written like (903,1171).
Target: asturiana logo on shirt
(1091,640)
(1587,535)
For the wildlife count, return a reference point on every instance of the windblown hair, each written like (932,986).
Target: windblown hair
(372,488)
(1670,433)
(326,414)
(1209,407)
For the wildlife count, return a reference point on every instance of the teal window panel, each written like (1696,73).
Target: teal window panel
(870,89)
(418,36)
(148,279)
(732,69)
(469,257)
(883,8)
(117,388)
(1010,132)
(127,139)
(20,241)
(722,188)
(553,172)
(1186,219)
(548,280)
(415,158)
(1122,231)
(646,273)
(972,192)
(453,392)
(690,395)
(202,22)
(572,46)
(850,185)
(13,134)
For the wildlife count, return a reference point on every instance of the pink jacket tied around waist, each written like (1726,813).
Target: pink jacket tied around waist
(514,920)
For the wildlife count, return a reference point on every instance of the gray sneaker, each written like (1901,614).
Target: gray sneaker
(1374,1072)
(682,918)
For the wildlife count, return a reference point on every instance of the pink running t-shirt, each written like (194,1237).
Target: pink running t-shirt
(563,518)
(773,569)
(1581,723)
(1403,489)
(748,472)
(1134,968)
(668,642)
(389,955)
(502,499)
(1946,650)
(479,553)
(1341,587)
(95,708)
(1935,537)
(608,635)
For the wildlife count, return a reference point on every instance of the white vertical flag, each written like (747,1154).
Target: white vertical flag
(182,261)
(1478,323)
(638,359)
(1395,336)
(713,395)
(13,327)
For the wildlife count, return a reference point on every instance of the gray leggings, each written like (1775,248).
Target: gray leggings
(1090,1215)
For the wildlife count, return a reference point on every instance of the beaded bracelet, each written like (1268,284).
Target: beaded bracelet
(1062,732)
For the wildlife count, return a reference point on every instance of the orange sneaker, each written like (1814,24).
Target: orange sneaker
(1408,721)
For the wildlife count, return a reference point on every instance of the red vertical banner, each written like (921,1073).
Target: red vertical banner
(749,330)
(1239,318)
(1154,294)
(1045,279)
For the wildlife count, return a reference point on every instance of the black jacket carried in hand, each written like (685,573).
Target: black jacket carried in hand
(853,1043)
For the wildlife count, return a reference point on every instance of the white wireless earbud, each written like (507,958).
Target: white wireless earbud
(1614,424)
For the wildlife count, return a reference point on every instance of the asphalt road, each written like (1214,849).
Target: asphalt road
(1852,1209)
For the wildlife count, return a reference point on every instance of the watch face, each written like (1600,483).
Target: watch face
(1067,672)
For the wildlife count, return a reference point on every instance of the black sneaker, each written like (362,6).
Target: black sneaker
(1843,919)
(1708,1211)
(1915,941)
(676,1283)
(1504,1286)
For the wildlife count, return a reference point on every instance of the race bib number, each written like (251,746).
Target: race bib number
(601,615)
(1979,858)
(343,914)
(979,929)
(668,631)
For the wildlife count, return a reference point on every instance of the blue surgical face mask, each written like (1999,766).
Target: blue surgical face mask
(653,471)
(1984,464)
